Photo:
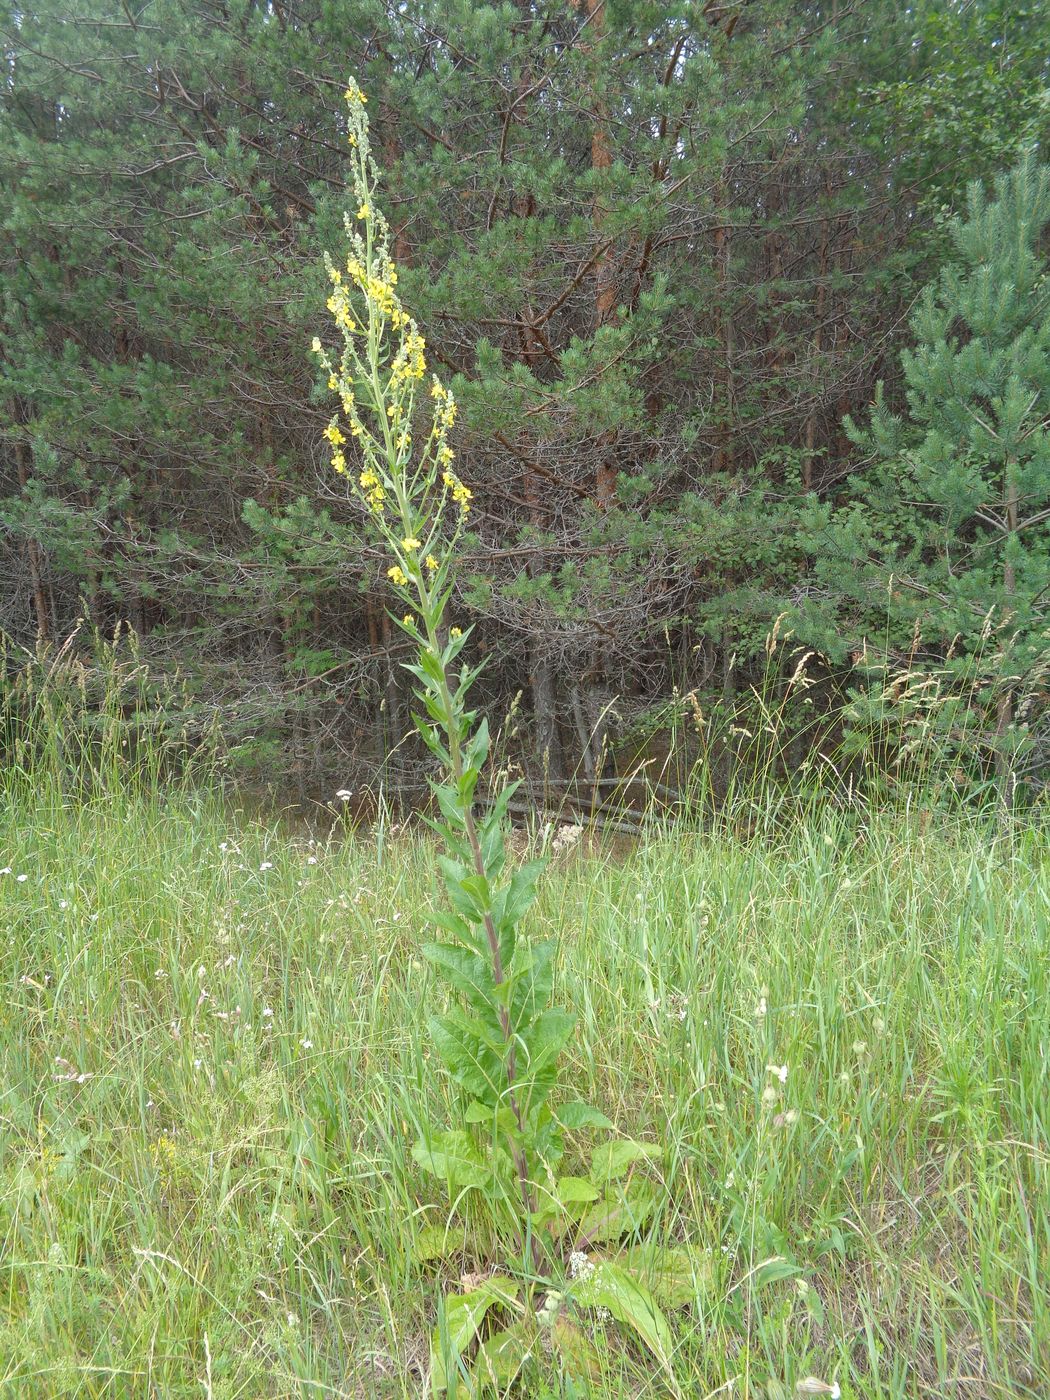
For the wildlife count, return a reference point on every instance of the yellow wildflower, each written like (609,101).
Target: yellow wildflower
(410,544)
(363,212)
(334,436)
(432,563)
(315,345)
(339,462)
(408,619)
(456,632)
(398,575)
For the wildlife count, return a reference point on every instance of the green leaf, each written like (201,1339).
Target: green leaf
(612,1159)
(577,1351)
(461,1042)
(436,1242)
(774,1270)
(463,1316)
(675,1277)
(533,978)
(468,973)
(454,1159)
(620,1211)
(631,1303)
(581,1115)
(576,1190)
(502,1356)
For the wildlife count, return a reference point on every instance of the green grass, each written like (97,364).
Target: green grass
(201,1198)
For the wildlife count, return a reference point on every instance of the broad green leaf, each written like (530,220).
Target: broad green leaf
(453,1158)
(576,1349)
(436,1242)
(612,1159)
(774,1270)
(501,1357)
(631,1303)
(581,1115)
(461,1042)
(576,1190)
(468,973)
(622,1210)
(675,1277)
(464,1314)
(532,980)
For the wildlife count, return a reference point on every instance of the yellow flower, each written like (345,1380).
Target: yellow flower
(363,212)
(408,619)
(315,345)
(339,462)
(410,544)
(456,632)
(398,575)
(334,436)
(432,563)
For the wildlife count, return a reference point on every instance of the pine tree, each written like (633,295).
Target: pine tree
(958,506)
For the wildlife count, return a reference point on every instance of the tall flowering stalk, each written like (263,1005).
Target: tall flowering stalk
(501,1045)
(500,1040)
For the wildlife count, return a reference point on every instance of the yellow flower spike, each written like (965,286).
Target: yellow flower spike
(456,632)
(432,563)
(363,212)
(410,545)
(339,462)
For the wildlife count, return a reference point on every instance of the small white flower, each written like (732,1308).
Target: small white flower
(580,1266)
(781,1072)
(267,1013)
(224,845)
(307,1044)
(63,903)
(311,860)
(21,879)
(344,794)
(761,1008)
(266,865)
(6,870)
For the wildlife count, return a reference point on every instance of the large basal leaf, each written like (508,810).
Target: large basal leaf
(502,1356)
(631,1304)
(464,1314)
(620,1211)
(454,1158)
(577,1115)
(577,1351)
(612,1160)
(675,1277)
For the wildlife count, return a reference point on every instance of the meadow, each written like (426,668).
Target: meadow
(213,1063)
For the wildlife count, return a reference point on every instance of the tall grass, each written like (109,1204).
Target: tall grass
(212,1065)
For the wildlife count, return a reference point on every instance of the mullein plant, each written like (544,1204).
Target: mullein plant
(568,1246)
